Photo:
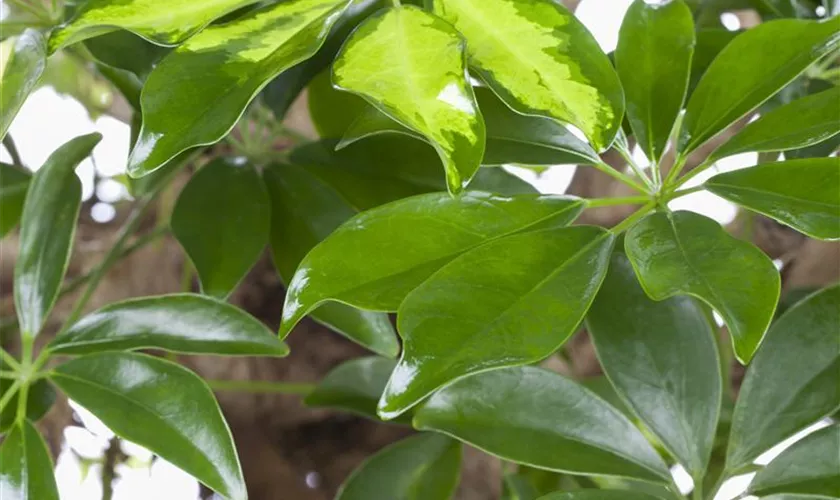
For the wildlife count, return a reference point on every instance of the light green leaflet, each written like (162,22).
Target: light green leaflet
(219,71)
(26,471)
(541,61)
(20,75)
(165,22)
(746,73)
(801,123)
(410,64)
(653,58)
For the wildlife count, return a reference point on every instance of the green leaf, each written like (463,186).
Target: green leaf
(304,211)
(784,496)
(708,44)
(419,467)
(484,310)
(40,398)
(653,59)
(127,51)
(48,224)
(745,74)
(804,122)
(160,406)
(599,495)
(333,111)
(535,417)
(541,61)
(511,137)
(684,253)
(810,466)
(804,194)
(186,323)
(20,75)
(660,358)
(782,393)
(163,22)
(410,65)
(222,220)
(411,239)
(518,487)
(285,88)
(215,84)
(26,471)
(354,386)
(13,185)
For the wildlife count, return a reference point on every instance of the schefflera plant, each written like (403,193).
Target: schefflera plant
(487,278)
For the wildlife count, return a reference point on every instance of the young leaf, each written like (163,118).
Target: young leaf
(216,83)
(164,22)
(484,310)
(40,398)
(411,239)
(541,61)
(46,234)
(653,59)
(186,323)
(684,253)
(13,185)
(804,194)
(660,356)
(160,406)
(781,393)
(354,386)
(21,73)
(802,123)
(535,417)
(511,137)
(745,74)
(410,65)
(422,466)
(222,220)
(599,495)
(304,211)
(810,466)
(26,471)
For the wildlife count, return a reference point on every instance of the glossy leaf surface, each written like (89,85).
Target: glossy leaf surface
(412,238)
(484,310)
(541,61)
(39,400)
(599,495)
(745,74)
(160,406)
(26,471)
(660,356)
(708,44)
(127,51)
(222,220)
(776,403)
(538,418)
(46,234)
(653,59)
(810,466)
(184,323)
(13,185)
(332,110)
(410,64)
(354,386)
(20,74)
(804,122)
(165,22)
(304,211)
(684,253)
(217,78)
(804,194)
(422,466)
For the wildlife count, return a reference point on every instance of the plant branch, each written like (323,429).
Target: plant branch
(9,143)
(637,215)
(626,179)
(261,386)
(9,360)
(10,393)
(611,202)
(628,157)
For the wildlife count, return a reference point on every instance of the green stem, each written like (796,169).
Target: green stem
(628,157)
(683,192)
(9,143)
(261,386)
(27,346)
(724,475)
(610,202)
(113,255)
(10,393)
(10,360)
(396,3)
(637,215)
(9,374)
(626,179)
